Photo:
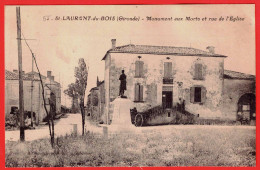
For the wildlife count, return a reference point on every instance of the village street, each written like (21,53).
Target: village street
(65,126)
(62,127)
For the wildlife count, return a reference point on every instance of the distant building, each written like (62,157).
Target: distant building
(96,102)
(12,92)
(162,75)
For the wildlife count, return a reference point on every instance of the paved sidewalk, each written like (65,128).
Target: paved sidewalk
(62,127)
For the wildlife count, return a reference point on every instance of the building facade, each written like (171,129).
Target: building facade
(96,103)
(239,95)
(32,89)
(163,75)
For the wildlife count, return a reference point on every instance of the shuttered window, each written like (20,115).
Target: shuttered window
(197,94)
(168,69)
(198,72)
(138,92)
(139,68)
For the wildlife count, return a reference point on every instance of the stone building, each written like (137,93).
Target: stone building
(164,75)
(96,102)
(239,95)
(101,101)
(32,95)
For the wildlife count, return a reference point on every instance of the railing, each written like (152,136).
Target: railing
(167,80)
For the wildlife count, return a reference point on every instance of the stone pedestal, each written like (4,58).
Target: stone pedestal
(121,120)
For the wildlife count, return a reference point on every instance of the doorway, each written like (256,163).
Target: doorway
(247,106)
(167,99)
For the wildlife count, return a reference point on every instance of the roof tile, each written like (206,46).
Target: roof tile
(228,74)
(14,76)
(162,50)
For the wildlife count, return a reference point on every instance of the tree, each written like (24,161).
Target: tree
(71,92)
(50,113)
(81,74)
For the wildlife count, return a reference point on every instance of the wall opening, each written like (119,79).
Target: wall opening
(197,96)
(167,99)
(246,107)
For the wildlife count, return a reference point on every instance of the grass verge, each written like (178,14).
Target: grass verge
(206,146)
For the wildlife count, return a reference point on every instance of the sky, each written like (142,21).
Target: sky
(58,44)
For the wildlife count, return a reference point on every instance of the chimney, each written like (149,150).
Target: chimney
(113,43)
(49,74)
(211,49)
(15,71)
(52,78)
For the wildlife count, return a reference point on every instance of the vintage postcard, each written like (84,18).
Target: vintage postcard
(130,85)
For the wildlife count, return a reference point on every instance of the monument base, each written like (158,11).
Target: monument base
(121,120)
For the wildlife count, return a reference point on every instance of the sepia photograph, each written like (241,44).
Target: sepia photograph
(130,85)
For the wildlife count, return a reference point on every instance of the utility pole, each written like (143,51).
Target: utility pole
(21,101)
(32,94)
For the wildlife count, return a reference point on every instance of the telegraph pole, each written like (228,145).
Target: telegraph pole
(32,94)
(21,101)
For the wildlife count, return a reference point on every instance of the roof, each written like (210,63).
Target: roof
(13,76)
(228,74)
(100,83)
(35,74)
(162,50)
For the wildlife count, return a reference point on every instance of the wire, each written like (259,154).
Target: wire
(27,43)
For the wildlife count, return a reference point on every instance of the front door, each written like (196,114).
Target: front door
(167,99)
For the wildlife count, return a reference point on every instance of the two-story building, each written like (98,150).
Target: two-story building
(164,75)
(32,90)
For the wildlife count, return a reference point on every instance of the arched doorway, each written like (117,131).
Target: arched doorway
(246,107)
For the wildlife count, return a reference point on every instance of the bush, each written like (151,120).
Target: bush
(11,122)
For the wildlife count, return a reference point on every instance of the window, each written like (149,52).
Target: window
(198,72)
(198,94)
(168,69)
(245,107)
(138,93)
(139,68)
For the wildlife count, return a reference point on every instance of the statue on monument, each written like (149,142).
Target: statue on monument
(122,79)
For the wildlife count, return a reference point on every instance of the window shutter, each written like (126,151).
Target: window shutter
(165,69)
(141,93)
(203,94)
(196,71)
(136,92)
(137,69)
(141,68)
(192,93)
(200,71)
(170,69)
